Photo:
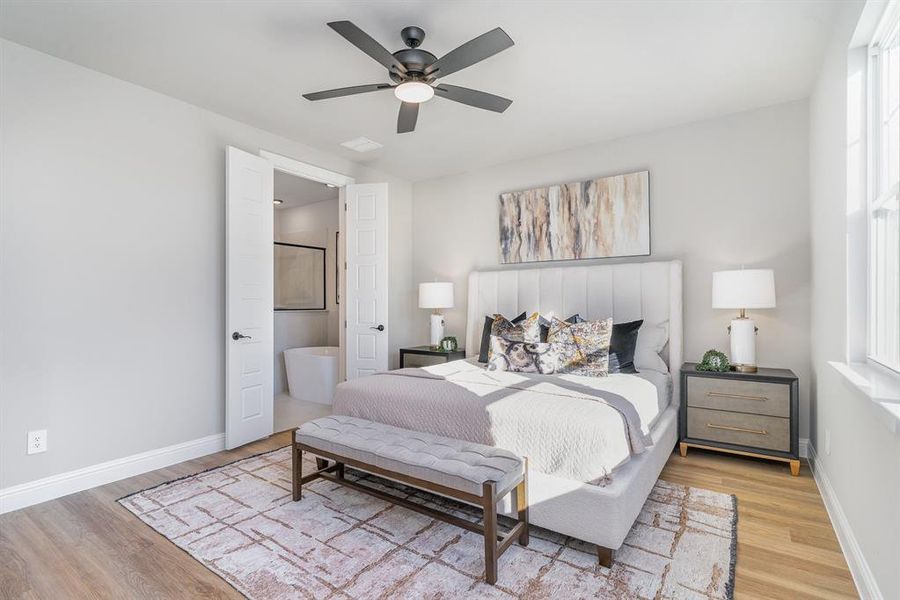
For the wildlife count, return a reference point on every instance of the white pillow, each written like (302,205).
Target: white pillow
(650,342)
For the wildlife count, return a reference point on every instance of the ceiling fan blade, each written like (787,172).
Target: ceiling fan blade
(347,91)
(473,51)
(367,44)
(406,120)
(472,97)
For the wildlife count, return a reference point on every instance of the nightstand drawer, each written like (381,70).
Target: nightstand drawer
(753,397)
(758,431)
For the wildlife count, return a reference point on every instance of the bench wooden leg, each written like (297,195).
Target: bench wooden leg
(520,495)
(340,470)
(489,505)
(604,556)
(297,470)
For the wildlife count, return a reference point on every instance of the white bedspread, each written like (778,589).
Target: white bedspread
(568,426)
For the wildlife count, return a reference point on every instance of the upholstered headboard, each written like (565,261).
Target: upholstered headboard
(626,292)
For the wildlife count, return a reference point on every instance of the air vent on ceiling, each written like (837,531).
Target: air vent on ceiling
(362,144)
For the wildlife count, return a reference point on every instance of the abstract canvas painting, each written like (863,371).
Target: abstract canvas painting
(600,218)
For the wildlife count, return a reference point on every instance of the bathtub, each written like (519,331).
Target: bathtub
(312,373)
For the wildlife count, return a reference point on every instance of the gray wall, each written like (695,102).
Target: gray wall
(112,239)
(723,192)
(863,466)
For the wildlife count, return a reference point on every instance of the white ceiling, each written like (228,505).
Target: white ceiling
(580,71)
(296,191)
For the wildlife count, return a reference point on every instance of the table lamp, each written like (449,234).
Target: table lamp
(436,295)
(743,289)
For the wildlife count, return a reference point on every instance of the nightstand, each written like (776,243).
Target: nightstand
(448,355)
(751,414)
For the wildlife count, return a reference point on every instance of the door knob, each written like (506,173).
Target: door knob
(240,336)
(379,328)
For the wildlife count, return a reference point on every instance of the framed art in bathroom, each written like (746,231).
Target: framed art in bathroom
(299,277)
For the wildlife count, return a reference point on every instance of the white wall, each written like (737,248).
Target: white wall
(112,270)
(863,467)
(315,225)
(724,192)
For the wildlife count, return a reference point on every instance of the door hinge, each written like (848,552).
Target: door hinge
(345,265)
(345,323)
(345,207)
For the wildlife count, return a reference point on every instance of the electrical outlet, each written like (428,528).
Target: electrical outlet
(37,441)
(828,442)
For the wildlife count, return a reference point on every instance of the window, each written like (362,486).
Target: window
(884,204)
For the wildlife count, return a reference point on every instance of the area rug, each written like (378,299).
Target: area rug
(336,543)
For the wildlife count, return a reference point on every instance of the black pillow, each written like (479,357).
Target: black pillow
(545,325)
(621,347)
(486,336)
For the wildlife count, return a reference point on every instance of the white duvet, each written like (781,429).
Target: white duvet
(568,426)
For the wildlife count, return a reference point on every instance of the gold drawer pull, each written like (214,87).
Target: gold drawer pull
(741,429)
(738,396)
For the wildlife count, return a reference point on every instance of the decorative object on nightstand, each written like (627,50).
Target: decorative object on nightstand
(751,414)
(743,289)
(449,344)
(713,360)
(447,355)
(436,295)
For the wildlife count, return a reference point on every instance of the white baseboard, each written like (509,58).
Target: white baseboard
(863,577)
(55,486)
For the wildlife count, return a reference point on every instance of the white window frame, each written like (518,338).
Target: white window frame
(877,197)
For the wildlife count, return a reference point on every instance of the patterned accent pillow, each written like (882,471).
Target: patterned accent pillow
(531,328)
(503,327)
(583,348)
(485,348)
(548,318)
(527,330)
(522,357)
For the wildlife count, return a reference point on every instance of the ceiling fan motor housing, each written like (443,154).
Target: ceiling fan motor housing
(416,61)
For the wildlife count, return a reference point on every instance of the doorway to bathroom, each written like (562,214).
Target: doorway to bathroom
(306,317)
(336,276)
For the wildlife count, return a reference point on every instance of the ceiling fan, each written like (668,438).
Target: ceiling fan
(415,72)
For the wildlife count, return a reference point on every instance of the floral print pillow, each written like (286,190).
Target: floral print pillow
(528,330)
(522,357)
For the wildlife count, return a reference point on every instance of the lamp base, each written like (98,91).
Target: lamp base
(437,329)
(743,345)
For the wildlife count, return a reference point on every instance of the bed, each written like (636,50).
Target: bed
(596,446)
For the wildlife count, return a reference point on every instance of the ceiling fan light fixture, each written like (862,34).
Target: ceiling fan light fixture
(414,92)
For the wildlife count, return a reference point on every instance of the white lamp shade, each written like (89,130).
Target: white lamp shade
(436,294)
(746,288)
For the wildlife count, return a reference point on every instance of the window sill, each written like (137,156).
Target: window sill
(878,384)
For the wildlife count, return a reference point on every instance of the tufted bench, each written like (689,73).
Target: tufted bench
(473,473)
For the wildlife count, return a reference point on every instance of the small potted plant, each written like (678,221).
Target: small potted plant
(713,360)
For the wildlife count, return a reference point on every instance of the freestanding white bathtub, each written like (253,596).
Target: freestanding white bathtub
(312,373)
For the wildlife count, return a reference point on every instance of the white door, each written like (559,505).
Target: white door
(249,298)
(366,296)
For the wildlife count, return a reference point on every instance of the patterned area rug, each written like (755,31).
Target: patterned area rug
(337,543)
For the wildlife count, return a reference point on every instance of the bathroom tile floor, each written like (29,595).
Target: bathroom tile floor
(291,412)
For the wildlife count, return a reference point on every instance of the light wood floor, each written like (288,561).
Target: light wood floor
(87,546)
